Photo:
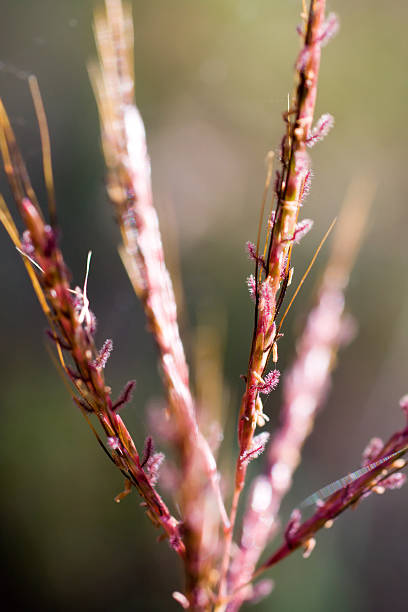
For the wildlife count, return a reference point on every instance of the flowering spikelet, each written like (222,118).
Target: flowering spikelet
(293,524)
(125,396)
(251,283)
(147,450)
(323,126)
(372,451)
(251,248)
(260,590)
(259,442)
(394,481)
(404,404)
(151,461)
(270,383)
(302,228)
(307,183)
(329,29)
(152,467)
(258,445)
(103,355)
(113,442)
(27,244)
(85,316)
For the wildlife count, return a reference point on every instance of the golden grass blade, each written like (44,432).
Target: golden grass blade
(8,222)
(45,147)
(13,163)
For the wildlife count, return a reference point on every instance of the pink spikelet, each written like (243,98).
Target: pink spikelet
(270,383)
(260,590)
(404,404)
(257,448)
(152,467)
(372,451)
(251,248)
(293,524)
(113,443)
(103,355)
(302,228)
(323,126)
(125,396)
(251,283)
(147,450)
(394,481)
(306,186)
(151,461)
(27,244)
(329,29)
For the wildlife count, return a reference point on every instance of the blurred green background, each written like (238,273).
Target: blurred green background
(212,82)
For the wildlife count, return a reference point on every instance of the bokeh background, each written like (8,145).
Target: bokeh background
(212,82)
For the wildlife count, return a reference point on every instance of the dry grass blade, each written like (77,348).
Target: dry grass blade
(45,147)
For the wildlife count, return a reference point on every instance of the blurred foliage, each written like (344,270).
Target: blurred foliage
(212,82)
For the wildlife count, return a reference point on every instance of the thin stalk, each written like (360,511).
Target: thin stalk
(304,391)
(302,533)
(130,191)
(294,168)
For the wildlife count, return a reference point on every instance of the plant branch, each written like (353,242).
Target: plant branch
(295,166)
(73,327)
(305,388)
(301,534)
(129,188)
